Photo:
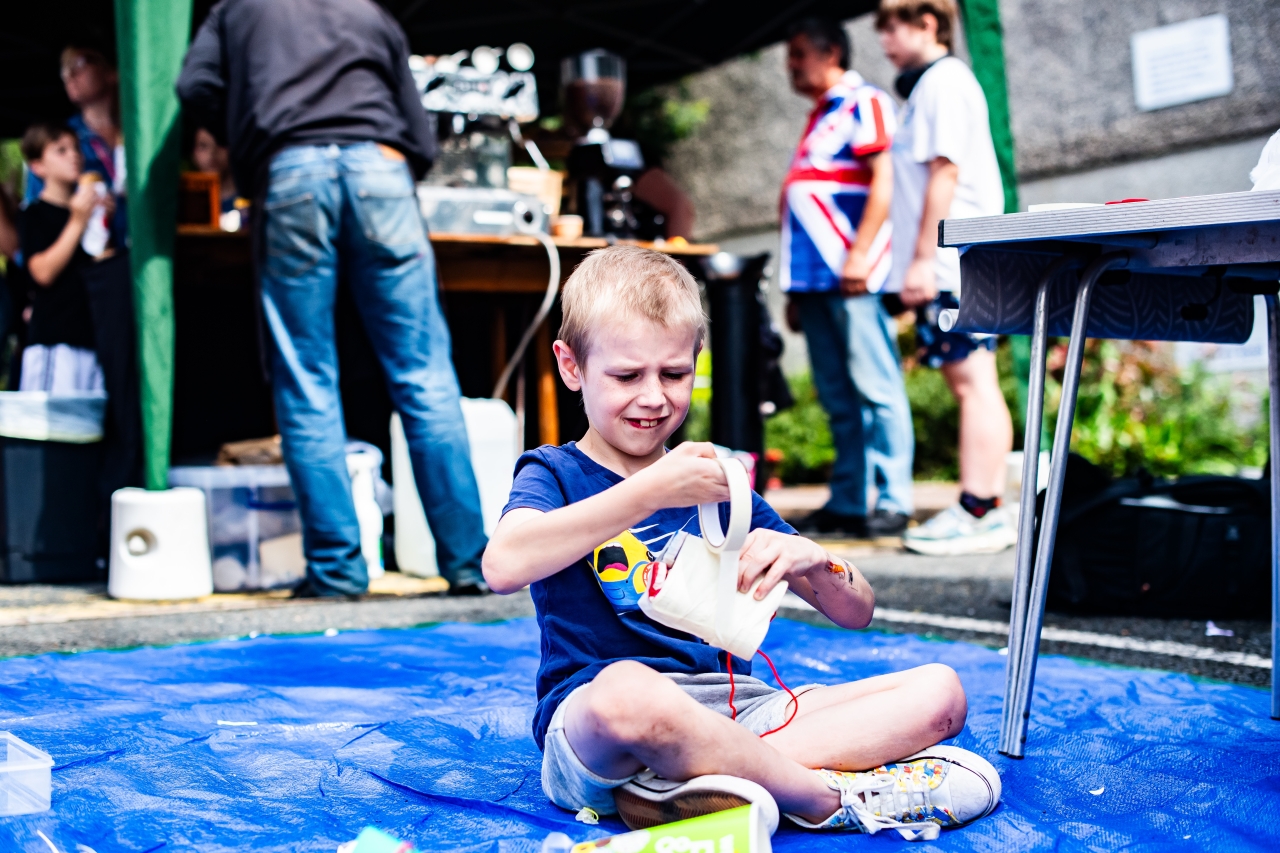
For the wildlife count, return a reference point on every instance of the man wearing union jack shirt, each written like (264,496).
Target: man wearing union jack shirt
(835,260)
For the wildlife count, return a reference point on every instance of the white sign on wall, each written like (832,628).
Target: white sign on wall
(1181,63)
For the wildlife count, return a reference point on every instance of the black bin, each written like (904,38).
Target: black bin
(49,512)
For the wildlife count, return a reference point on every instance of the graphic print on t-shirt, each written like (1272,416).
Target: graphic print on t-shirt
(620,564)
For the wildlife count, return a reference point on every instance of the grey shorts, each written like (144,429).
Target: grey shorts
(570,785)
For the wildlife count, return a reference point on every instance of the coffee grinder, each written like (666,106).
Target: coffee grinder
(593,86)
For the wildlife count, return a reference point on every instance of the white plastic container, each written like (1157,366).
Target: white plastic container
(254,532)
(26,783)
(41,416)
(493,436)
(159,545)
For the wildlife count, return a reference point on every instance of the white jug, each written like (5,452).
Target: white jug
(699,594)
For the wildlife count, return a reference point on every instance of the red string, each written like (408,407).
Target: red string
(728,664)
(795,701)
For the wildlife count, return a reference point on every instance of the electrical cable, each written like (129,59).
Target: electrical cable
(549,300)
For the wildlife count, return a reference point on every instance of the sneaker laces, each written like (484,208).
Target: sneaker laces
(887,801)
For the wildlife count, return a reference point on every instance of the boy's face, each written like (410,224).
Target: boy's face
(60,161)
(636,384)
(904,44)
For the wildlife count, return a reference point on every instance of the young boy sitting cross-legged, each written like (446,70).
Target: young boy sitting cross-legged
(635,717)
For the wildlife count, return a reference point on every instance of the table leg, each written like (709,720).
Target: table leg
(1009,745)
(1273,365)
(1024,676)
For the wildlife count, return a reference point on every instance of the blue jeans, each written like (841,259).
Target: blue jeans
(858,376)
(354,206)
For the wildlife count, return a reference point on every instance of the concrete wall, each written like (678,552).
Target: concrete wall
(1071,81)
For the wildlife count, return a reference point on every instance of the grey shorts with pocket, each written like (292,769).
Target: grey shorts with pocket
(570,785)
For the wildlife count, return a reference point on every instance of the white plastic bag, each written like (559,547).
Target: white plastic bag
(1266,175)
(699,594)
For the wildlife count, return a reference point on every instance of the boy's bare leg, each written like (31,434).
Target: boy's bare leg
(986,429)
(864,724)
(631,717)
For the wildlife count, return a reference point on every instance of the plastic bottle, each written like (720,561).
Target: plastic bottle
(362,465)
(97,232)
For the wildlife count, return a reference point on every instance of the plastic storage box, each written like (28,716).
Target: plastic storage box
(255,534)
(25,777)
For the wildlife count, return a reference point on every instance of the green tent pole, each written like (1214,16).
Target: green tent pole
(151,37)
(985,35)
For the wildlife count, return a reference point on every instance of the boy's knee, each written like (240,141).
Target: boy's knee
(628,702)
(949,705)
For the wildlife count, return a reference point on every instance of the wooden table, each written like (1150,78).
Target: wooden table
(490,287)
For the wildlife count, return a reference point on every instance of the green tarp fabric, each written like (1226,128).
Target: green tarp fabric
(152,38)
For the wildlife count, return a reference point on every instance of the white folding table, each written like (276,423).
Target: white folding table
(1177,270)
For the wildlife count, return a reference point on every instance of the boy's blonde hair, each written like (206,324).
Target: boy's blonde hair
(628,281)
(913,12)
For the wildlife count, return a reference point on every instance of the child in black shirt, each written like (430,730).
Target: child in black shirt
(59,356)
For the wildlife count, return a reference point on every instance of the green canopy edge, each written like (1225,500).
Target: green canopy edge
(152,38)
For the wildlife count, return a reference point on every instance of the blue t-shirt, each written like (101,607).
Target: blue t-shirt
(589,612)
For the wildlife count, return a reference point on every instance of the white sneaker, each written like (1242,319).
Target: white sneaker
(943,786)
(650,800)
(954,531)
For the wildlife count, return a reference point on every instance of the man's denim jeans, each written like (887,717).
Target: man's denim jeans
(354,206)
(858,375)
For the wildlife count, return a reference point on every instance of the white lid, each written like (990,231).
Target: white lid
(229,476)
(22,755)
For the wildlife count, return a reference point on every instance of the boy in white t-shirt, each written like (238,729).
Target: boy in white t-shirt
(944,167)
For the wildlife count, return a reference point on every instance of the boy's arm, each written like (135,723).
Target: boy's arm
(920,282)
(832,585)
(46,266)
(857,267)
(529,545)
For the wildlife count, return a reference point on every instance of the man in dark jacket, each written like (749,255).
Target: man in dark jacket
(326,131)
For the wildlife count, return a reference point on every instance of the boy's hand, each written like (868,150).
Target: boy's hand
(776,556)
(687,476)
(83,201)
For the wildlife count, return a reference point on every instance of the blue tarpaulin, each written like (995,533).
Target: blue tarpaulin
(296,743)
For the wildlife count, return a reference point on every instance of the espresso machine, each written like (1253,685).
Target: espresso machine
(593,87)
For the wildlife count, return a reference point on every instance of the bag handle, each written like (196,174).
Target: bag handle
(728,544)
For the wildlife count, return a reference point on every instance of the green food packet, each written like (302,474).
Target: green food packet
(740,830)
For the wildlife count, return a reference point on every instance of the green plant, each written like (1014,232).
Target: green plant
(661,116)
(802,435)
(11,171)
(1137,410)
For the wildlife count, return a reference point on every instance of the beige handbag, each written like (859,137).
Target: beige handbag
(696,591)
